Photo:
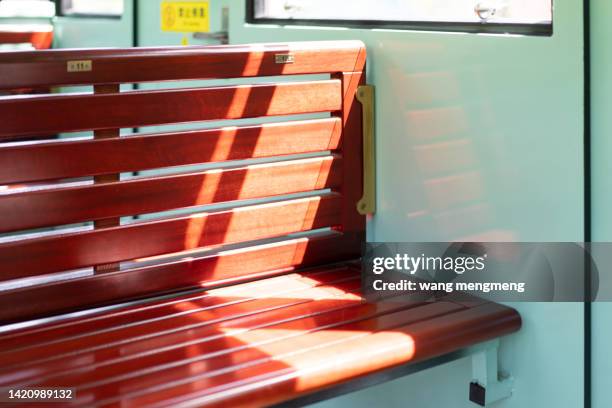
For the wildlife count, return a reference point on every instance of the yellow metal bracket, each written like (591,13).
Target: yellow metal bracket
(367,204)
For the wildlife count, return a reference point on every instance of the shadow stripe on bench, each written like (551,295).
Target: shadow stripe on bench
(72,326)
(155,194)
(71,113)
(46,161)
(38,256)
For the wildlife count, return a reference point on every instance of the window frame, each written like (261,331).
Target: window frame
(533,29)
(59,12)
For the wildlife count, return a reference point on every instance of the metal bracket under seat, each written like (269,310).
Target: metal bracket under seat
(489,385)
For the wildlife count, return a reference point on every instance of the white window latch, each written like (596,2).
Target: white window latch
(485,10)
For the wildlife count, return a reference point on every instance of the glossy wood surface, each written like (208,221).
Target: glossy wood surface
(72,113)
(47,161)
(20,338)
(250,344)
(37,172)
(153,194)
(37,256)
(22,69)
(225,268)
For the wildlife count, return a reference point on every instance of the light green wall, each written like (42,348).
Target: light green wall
(478,137)
(93,32)
(601,168)
(80,32)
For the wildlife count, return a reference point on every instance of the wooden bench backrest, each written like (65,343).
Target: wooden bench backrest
(130,258)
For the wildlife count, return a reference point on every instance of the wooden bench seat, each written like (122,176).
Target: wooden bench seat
(141,282)
(255,343)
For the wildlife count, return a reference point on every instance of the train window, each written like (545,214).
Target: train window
(27,8)
(102,8)
(528,16)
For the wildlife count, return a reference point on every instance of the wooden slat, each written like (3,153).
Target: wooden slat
(22,69)
(67,113)
(281,285)
(226,268)
(57,253)
(56,160)
(93,202)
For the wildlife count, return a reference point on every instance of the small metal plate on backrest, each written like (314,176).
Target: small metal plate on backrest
(284,58)
(79,66)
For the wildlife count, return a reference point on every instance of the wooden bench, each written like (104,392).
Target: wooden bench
(252,303)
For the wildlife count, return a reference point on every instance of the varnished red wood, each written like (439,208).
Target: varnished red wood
(108,154)
(144,239)
(279,358)
(229,267)
(301,373)
(71,113)
(228,348)
(148,195)
(202,319)
(47,161)
(299,324)
(366,347)
(103,134)
(40,40)
(273,286)
(22,69)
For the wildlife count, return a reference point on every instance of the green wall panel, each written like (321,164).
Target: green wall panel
(479,137)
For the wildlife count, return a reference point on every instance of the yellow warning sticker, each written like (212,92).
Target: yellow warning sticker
(185,16)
